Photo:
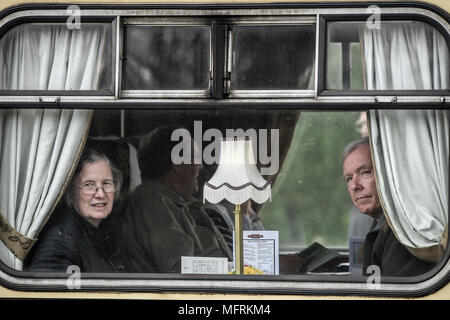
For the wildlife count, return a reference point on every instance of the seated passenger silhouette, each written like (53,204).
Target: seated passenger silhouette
(163,221)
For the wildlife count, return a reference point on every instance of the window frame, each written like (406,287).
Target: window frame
(321,100)
(226,14)
(171,93)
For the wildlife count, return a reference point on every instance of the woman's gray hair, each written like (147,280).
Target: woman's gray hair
(93,156)
(353,146)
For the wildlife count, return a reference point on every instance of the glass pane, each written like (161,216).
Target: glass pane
(166,58)
(160,209)
(395,55)
(53,57)
(310,183)
(334,66)
(273,57)
(356,71)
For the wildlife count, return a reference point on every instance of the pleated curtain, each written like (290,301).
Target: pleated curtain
(411,147)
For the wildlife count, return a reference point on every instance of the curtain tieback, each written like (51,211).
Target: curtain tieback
(19,244)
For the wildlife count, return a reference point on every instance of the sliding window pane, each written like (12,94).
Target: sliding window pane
(166,57)
(273,57)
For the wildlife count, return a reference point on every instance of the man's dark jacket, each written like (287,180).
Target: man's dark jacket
(381,248)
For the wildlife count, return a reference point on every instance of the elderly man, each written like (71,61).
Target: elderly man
(381,247)
(163,221)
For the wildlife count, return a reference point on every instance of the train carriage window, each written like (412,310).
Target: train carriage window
(212,75)
(166,57)
(47,57)
(397,55)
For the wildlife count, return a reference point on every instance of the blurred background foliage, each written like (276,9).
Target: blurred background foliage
(309,199)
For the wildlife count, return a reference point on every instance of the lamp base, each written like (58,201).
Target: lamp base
(239,247)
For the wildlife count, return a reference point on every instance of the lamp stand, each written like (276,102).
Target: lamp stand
(239,247)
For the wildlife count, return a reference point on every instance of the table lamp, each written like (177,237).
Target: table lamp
(237,180)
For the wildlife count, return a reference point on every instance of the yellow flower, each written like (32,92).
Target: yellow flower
(248,270)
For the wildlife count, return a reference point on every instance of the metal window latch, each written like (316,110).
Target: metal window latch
(227,83)
(384,99)
(211,82)
(49,99)
(229,59)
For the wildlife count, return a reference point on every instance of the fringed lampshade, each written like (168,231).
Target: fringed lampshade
(237,180)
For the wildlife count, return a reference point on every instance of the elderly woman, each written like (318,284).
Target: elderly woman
(75,235)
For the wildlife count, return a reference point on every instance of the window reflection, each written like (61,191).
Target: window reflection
(309,202)
(310,205)
(273,57)
(166,57)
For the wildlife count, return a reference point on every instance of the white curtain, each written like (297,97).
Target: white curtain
(411,147)
(52,57)
(406,56)
(38,147)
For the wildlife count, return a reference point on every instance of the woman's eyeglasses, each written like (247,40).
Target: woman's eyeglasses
(90,188)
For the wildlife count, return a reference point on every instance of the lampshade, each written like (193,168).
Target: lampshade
(237,178)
